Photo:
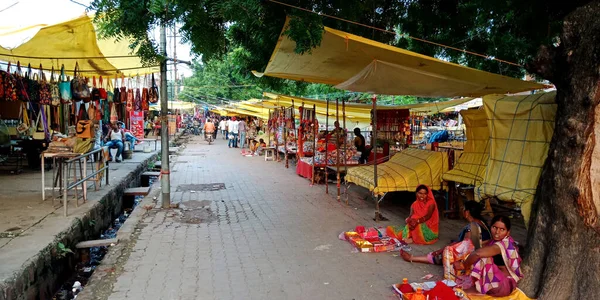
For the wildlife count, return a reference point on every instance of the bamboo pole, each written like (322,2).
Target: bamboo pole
(374,145)
(345,147)
(326,144)
(337,146)
(314,140)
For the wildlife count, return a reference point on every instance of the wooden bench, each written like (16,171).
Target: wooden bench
(138,191)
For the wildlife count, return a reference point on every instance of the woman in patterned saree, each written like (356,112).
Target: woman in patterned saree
(422,223)
(496,267)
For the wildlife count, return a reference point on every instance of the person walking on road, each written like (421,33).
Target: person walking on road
(222,127)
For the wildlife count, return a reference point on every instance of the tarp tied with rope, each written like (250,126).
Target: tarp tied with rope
(76,41)
(520,128)
(358,64)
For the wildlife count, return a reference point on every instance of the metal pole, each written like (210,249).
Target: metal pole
(337,146)
(374,147)
(345,148)
(164,120)
(326,145)
(315,125)
(175,89)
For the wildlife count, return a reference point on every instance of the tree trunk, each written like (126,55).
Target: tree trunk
(562,260)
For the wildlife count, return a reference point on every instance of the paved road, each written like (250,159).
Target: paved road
(256,230)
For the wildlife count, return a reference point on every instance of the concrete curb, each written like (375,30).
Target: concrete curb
(39,276)
(101,280)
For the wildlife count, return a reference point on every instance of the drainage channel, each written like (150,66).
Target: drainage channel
(90,258)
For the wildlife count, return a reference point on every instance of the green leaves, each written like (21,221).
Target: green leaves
(62,250)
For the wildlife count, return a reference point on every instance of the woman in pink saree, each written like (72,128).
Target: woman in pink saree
(496,267)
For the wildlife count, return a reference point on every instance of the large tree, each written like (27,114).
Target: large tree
(559,41)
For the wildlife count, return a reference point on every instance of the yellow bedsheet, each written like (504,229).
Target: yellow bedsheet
(403,172)
(471,165)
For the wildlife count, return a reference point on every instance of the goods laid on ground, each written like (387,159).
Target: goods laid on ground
(372,239)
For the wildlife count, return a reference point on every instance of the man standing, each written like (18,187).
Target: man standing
(242,128)
(233,132)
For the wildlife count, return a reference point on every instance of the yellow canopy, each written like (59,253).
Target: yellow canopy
(403,172)
(59,44)
(358,64)
(520,128)
(471,165)
(363,111)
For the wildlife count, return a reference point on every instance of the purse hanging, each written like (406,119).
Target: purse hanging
(138,95)
(24,126)
(33,85)
(54,90)
(95,91)
(64,87)
(83,129)
(45,88)
(130,96)
(145,104)
(20,86)
(102,90)
(113,114)
(153,92)
(79,87)
(9,84)
(123,91)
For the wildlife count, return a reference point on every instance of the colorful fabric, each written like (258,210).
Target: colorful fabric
(488,276)
(457,252)
(425,233)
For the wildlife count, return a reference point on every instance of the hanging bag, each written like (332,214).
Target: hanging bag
(83,129)
(138,94)
(95,90)
(9,85)
(20,86)
(123,91)
(24,126)
(130,99)
(145,103)
(113,114)
(54,90)
(45,133)
(102,90)
(116,98)
(64,87)
(79,87)
(153,92)
(45,89)
(33,85)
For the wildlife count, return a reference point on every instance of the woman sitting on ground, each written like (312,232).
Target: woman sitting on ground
(473,236)
(496,267)
(257,147)
(472,213)
(422,223)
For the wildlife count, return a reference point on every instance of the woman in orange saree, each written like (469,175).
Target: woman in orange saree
(423,222)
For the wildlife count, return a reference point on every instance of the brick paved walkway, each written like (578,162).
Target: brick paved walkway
(266,235)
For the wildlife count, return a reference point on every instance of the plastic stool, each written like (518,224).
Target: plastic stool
(272,152)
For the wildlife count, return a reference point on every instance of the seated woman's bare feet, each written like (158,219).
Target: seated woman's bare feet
(406,256)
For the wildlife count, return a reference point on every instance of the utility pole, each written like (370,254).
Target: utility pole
(175,90)
(165,183)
